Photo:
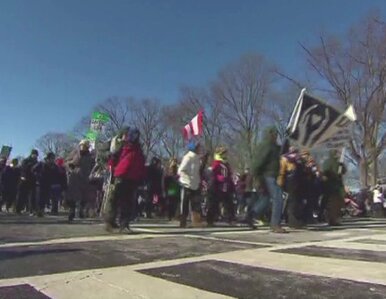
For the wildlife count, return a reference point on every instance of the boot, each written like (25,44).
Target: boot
(196,220)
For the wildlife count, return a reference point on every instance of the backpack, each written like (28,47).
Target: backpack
(295,177)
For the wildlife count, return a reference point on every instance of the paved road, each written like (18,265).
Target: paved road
(49,258)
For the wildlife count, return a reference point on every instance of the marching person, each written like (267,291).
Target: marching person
(223,187)
(47,175)
(190,179)
(333,171)
(172,188)
(27,187)
(266,170)
(291,180)
(10,180)
(129,172)
(80,191)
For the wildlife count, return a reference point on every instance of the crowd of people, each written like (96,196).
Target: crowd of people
(282,183)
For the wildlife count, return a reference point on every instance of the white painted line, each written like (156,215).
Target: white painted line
(84,239)
(228,240)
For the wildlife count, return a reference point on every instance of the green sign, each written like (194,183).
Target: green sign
(91,135)
(5,151)
(100,117)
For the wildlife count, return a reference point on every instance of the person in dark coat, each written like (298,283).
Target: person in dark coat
(155,187)
(172,188)
(10,181)
(3,166)
(333,172)
(48,176)
(266,171)
(27,187)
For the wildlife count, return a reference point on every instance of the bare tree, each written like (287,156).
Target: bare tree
(120,111)
(242,89)
(146,116)
(58,143)
(353,68)
(280,107)
(172,143)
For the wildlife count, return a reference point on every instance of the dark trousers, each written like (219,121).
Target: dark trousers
(192,197)
(213,206)
(27,197)
(172,206)
(9,197)
(122,197)
(295,208)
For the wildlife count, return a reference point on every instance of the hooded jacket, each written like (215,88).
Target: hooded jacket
(267,161)
(222,177)
(189,171)
(131,164)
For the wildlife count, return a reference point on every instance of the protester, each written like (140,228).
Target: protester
(128,174)
(189,178)
(333,172)
(172,188)
(3,166)
(311,187)
(48,176)
(60,189)
(378,201)
(10,179)
(27,188)
(222,188)
(80,191)
(266,170)
(291,180)
(155,187)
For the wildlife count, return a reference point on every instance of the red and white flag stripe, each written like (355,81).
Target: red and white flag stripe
(194,127)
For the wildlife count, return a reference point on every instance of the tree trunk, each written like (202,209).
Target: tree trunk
(364,172)
(374,168)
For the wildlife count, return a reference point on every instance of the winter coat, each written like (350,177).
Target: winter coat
(10,179)
(267,160)
(131,164)
(172,186)
(47,174)
(26,170)
(189,171)
(222,177)
(154,179)
(334,182)
(81,164)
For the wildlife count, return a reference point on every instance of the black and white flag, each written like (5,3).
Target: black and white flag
(313,122)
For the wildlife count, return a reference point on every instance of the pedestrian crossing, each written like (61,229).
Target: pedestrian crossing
(167,262)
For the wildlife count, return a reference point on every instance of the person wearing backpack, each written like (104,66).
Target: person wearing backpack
(222,186)
(290,179)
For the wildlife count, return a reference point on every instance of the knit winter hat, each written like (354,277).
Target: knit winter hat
(133,135)
(192,145)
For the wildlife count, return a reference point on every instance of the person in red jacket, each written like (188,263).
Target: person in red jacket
(222,187)
(129,172)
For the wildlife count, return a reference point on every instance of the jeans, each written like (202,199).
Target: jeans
(274,194)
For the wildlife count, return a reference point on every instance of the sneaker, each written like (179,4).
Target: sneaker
(279,230)
(108,227)
(125,230)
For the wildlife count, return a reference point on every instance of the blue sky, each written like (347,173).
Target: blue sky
(60,58)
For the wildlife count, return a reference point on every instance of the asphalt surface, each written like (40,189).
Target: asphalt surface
(234,262)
